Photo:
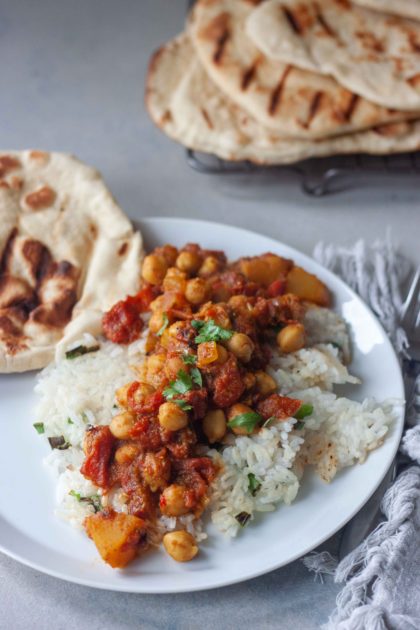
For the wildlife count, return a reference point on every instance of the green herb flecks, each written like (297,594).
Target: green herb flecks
(243,518)
(164,326)
(182,404)
(59,442)
(210,331)
(39,427)
(181,385)
(94,500)
(80,350)
(247,421)
(70,421)
(304,410)
(196,376)
(299,425)
(253,484)
(189,359)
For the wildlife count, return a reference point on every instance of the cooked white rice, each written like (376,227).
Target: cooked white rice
(339,432)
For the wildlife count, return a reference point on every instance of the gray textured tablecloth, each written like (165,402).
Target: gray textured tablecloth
(72,80)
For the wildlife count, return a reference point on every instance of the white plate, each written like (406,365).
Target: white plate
(31,534)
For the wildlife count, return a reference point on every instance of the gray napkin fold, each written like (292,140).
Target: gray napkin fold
(382,575)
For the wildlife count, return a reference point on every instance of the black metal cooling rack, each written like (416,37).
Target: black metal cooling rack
(318,176)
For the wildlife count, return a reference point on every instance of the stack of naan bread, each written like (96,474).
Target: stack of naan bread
(277,81)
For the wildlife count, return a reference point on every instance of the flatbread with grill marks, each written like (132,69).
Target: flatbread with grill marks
(67,253)
(289,100)
(190,108)
(375,55)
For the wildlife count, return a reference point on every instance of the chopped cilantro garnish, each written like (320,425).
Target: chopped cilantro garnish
(247,421)
(304,410)
(182,404)
(210,331)
(299,425)
(80,350)
(196,376)
(243,518)
(70,421)
(189,359)
(253,484)
(165,320)
(39,427)
(182,385)
(94,500)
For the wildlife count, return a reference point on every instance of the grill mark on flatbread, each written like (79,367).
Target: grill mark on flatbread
(207,118)
(349,111)
(323,22)
(313,108)
(249,75)
(414,81)
(292,19)
(277,92)
(220,46)
(413,43)
(4,261)
(370,42)
(38,257)
(123,249)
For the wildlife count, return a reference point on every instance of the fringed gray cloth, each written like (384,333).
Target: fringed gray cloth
(382,575)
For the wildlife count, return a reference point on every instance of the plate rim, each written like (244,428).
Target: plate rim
(220,583)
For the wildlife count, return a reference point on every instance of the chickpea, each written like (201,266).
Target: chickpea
(176,328)
(122,424)
(126,453)
(175,280)
(291,338)
(265,383)
(210,265)
(189,262)
(197,291)
(156,470)
(169,252)
(156,321)
(214,425)
(157,304)
(154,269)
(172,501)
(241,346)
(156,369)
(121,395)
(173,366)
(180,545)
(172,417)
(249,380)
(222,354)
(236,410)
(141,392)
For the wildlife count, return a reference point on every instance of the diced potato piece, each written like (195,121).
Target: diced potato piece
(265,269)
(116,536)
(307,286)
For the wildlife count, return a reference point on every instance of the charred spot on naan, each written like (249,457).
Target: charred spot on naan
(275,96)
(40,199)
(8,163)
(16,291)
(12,320)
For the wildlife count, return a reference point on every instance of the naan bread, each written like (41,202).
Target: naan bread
(291,101)
(67,253)
(191,109)
(373,54)
(404,8)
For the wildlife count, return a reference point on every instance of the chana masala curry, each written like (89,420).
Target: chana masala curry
(210,328)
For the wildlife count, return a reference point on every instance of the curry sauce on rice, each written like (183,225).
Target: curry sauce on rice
(210,391)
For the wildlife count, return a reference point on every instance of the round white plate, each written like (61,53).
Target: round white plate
(30,533)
